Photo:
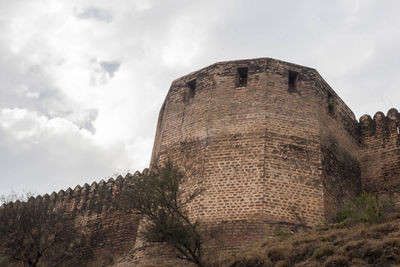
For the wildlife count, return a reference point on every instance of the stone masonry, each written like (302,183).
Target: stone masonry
(273,146)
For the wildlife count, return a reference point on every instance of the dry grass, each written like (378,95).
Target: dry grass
(332,245)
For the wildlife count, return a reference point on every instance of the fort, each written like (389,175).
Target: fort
(272,144)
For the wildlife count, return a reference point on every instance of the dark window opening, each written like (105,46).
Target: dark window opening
(242,77)
(331,104)
(191,90)
(293,80)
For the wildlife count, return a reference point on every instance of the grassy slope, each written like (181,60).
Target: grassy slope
(334,245)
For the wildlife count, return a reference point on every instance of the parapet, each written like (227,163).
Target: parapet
(380,126)
(82,198)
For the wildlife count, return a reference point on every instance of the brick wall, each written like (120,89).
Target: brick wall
(105,231)
(269,152)
(380,160)
(274,150)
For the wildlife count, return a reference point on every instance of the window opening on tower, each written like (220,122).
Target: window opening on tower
(191,90)
(331,104)
(242,77)
(293,76)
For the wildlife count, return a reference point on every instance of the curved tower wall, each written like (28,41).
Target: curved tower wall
(261,151)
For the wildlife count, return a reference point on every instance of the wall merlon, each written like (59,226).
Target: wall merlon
(120,179)
(381,127)
(393,114)
(365,120)
(69,192)
(77,191)
(53,196)
(268,140)
(93,186)
(61,194)
(379,116)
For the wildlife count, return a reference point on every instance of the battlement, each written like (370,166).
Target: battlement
(107,229)
(82,199)
(271,143)
(380,153)
(381,127)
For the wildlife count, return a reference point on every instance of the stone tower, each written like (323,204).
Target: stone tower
(272,144)
(274,147)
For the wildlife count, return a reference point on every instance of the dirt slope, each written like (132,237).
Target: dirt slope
(333,245)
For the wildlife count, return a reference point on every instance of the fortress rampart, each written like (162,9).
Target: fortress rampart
(271,143)
(266,150)
(380,154)
(108,232)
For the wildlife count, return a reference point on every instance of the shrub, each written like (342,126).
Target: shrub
(365,208)
(159,198)
(322,251)
(282,235)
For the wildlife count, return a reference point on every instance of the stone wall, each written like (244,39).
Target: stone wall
(106,231)
(274,147)
(380,160)
(340,148)
(281,149)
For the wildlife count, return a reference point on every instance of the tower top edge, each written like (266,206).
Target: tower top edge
(243,62)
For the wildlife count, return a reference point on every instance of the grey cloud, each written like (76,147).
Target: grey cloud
(53,160)
(110,66)
(95,13)
(326,36)
(28,86)
(84,119)
(103,71)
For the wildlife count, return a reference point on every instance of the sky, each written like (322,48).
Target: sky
(82,82)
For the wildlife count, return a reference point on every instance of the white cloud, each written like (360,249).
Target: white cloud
(82,81)
(44,153)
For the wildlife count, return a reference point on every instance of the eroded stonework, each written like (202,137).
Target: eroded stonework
(273,146)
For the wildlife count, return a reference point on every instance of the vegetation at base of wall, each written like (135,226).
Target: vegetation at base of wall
(282,234)
(366,232)
(159,198)
(31,230)
(365,208)
(364,244)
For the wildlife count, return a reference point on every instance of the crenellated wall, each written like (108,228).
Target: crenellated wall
(282,149)
(279,151)
(380,155)
(107,231)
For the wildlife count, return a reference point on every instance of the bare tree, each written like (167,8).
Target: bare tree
(158,197)
(30,229)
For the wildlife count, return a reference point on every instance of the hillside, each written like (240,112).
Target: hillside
(333,245)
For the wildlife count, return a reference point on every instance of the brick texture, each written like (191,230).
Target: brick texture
(274,147)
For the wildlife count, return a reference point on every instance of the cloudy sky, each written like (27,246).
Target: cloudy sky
(82,81)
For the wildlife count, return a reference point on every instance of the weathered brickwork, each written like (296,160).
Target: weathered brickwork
(281,148)
(106,232)
(271,143)
(258,147)
(380,157)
